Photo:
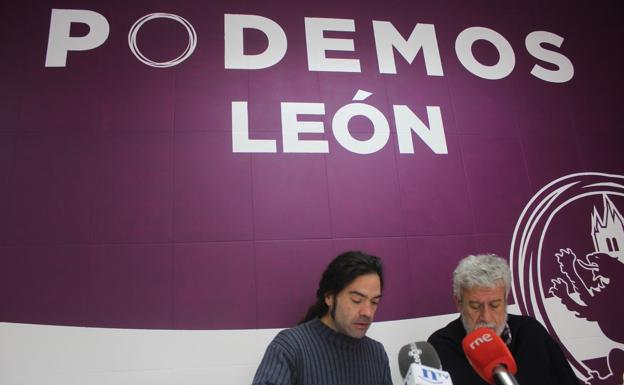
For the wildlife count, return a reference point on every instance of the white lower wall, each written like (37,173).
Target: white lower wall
(57,355)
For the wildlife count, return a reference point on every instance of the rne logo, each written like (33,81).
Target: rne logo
(481,340)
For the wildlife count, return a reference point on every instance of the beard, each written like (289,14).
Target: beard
(490,325)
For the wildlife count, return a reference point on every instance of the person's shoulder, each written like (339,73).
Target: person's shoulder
(523,325)
(452,331)
(291,334)
(286,343)
(295,336)
(520,318)
(523,321)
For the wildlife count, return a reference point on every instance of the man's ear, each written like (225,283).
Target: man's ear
(457,303)
(329,299)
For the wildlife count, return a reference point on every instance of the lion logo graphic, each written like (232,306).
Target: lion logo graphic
(572,280)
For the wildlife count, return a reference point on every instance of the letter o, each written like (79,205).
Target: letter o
(190,47)
(381,128)
(463,49)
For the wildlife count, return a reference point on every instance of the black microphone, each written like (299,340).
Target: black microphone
(420,364)
(420,352)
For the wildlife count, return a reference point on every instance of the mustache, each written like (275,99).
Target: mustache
(490,325)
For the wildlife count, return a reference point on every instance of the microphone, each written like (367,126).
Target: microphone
(420,364)
(420,352)
(489,357)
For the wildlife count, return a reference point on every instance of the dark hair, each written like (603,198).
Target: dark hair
(343,270)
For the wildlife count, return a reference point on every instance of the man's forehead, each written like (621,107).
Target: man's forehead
(367,285)
(484,292)
(364,295)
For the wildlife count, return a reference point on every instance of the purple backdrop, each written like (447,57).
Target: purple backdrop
(122,203)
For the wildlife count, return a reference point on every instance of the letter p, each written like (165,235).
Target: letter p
(59,41)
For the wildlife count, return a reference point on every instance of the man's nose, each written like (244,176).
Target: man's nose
(367,310)
(486,314)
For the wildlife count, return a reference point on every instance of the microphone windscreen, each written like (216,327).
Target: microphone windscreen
(485,351)
(421,352)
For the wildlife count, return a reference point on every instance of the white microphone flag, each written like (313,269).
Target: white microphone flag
(425,375)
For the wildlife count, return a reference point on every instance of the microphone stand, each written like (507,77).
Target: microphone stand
(503,377)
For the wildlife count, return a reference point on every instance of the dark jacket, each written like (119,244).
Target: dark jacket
(538,356)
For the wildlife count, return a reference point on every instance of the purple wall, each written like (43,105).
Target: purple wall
(122,203)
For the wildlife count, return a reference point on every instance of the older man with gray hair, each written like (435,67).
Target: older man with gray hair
(481,285)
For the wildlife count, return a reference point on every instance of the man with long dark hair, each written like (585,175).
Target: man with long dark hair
(329,346)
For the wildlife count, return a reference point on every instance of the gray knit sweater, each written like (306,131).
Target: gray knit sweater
(313,354)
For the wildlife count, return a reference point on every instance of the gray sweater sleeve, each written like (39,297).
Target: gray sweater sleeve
(276,368)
